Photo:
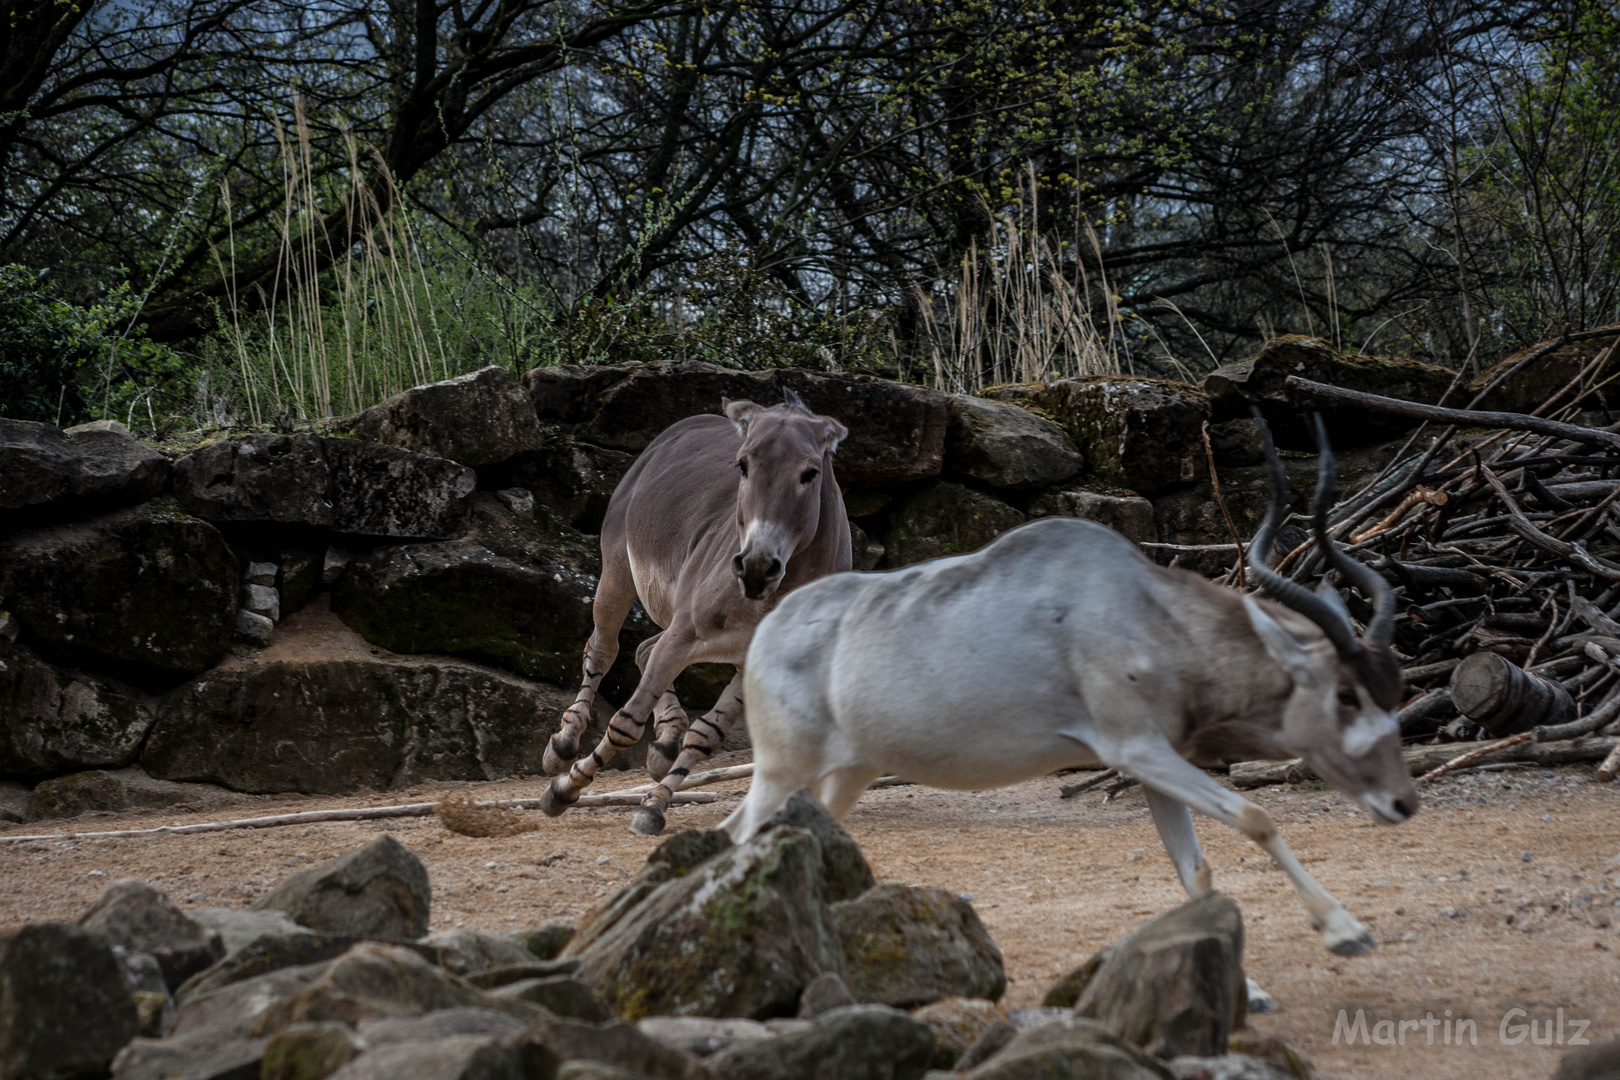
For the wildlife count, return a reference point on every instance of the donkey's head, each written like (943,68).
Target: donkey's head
(1340,716)
(784,460)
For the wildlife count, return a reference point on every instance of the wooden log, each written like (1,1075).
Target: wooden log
(1421,759)
(1503,698)
(1464,417)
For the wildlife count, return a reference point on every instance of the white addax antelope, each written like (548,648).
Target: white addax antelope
(717,519)
(1059,645)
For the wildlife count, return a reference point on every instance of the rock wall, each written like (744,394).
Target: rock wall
(408,597)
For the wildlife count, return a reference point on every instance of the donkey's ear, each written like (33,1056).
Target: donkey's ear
(1280,645)
(739,413)
(832,433)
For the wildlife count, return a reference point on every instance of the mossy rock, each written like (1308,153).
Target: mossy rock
(945,519)
(142,595)
(1261,380)
(53,721)
(741,934)
(1539,380)
(1137,433)
(906,946)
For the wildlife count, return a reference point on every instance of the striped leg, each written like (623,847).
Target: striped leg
(563,747)
(665,661)
(704,738)
(669,724)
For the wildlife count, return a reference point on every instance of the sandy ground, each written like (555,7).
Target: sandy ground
(1500,895)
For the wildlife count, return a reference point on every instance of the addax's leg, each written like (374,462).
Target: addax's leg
(705,737)
(1155,762)
(1176,831)
(615,593)
(665,661)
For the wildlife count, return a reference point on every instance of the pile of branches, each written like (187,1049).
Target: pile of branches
(1501,532)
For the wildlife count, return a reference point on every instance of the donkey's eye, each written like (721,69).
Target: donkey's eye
(1347,697)
(743,465)
(809,475)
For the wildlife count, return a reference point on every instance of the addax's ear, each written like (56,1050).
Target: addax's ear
(1280,645)
(832,434)
(740,413)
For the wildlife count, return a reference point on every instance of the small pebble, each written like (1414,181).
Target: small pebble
(601,860)
(1524,856)
(1400,909)
(1546,817)
(1134,856)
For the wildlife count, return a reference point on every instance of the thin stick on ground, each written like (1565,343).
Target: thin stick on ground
(362,813)
(1475,755)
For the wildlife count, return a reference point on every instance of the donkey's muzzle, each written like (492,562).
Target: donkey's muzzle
(759,574)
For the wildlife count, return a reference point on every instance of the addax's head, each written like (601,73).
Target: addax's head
(1341,715)
(785,458)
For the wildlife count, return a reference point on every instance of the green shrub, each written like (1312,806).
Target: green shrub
(63,364)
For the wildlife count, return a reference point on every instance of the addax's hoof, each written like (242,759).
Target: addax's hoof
(1352,946)
(649,821)
(660,759)
(554,804)
(554,763)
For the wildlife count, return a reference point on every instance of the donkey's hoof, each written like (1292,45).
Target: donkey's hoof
(648,821)
(554,763)
(660,759)
(553,803)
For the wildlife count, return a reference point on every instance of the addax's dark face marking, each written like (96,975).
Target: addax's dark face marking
(780,468)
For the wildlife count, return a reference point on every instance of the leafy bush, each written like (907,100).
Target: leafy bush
(63,364)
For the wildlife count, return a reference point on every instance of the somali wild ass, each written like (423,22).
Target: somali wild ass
(1059,645)
(719,518)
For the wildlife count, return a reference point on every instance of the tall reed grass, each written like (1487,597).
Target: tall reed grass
(1024,307)
(349,319)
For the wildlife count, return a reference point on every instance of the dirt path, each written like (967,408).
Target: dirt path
(1466,923)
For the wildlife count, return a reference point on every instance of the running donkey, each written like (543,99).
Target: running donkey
(759,478)
(1059,644)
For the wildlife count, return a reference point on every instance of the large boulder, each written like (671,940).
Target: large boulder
(1537,381)
(1599,1061)
(346,485)
(845,873)
(1005,446)
(1261,380)
(514,591)
(483,418)
(1175,985)
(907,946)
(137,917)
(465,951)
(92,467)
(379,890)
(511,592)
(319,713)
(1126,513)
(860,1042)
(1069,1047)
(550,1042)
(54,721)
(141,594)
(740,934)
(944,519)
(459,1057)
(958,1024)
(65,1010)
(896,431)
(1135,433)
(574,480)
(370,981)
